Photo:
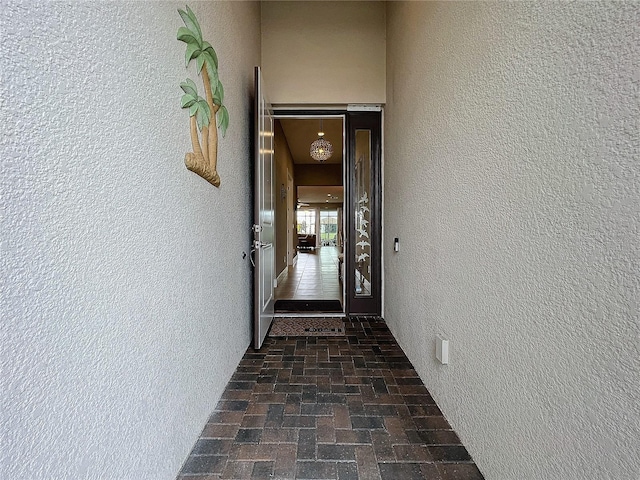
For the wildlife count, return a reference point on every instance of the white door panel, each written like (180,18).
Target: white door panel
(264,216)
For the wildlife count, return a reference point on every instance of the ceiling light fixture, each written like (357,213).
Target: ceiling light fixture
(321,149)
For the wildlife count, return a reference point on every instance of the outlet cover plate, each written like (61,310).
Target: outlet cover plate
(442,349)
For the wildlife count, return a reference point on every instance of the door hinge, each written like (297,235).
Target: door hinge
(256,228)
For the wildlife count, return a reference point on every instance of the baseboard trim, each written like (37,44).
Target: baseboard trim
(281,276)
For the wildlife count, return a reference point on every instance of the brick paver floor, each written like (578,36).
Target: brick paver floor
(347,407)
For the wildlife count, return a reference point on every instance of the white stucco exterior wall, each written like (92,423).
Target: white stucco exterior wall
(125,298)
(324,52)
(512,179)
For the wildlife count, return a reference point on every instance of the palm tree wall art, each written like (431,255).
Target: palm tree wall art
(206,114)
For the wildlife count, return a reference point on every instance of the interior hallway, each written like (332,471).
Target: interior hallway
(314,276)
(349,407)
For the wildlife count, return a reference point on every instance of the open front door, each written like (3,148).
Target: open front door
(264,216)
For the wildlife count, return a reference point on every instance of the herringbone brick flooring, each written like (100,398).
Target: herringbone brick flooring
(347,407)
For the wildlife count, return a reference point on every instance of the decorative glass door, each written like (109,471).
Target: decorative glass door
(363,261)
(329,227)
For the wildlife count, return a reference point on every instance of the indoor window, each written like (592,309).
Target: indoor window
(306,221)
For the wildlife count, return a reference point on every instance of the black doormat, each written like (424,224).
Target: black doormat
(308,306)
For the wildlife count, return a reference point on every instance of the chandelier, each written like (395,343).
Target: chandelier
(321,149)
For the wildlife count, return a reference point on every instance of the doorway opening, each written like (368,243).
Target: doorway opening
(309,214)
(359,171)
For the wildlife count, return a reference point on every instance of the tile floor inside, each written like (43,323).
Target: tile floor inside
(314,277)
(347,407)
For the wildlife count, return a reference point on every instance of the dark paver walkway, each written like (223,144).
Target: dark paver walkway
(349,407)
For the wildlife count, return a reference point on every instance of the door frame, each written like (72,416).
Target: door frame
(305,115)
(290,219)
(351,305)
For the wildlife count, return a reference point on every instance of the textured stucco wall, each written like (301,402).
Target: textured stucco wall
(513,182)
(125,298)
(324,52)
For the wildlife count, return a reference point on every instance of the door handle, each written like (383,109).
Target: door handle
(257,244)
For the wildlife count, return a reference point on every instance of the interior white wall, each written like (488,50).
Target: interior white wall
(512,181)
(324,52)
(125,298)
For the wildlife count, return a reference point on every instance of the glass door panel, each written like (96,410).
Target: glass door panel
(363,253)
(329,227)
(362,214)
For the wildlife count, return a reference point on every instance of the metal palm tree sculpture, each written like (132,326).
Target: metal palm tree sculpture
(203,111)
